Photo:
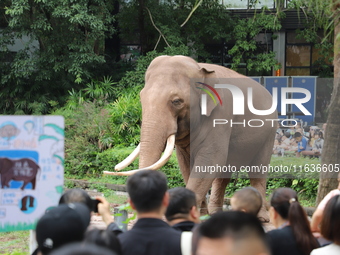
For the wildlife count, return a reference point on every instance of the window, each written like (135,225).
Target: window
(251,4)
(218,54)
(301,57)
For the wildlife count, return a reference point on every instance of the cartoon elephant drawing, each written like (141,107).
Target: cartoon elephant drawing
(24,169)
(172,115)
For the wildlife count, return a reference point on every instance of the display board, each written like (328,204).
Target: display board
(31,168)
(309,83)
(278,82)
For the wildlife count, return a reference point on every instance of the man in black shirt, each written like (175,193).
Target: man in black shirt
(182,213)
(150,235)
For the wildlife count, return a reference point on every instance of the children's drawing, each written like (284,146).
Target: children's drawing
(23,169)
(31,168)
(8,130)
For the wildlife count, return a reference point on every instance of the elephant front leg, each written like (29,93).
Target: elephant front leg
(217,194)
(183,157)
(24,203)
(201,187)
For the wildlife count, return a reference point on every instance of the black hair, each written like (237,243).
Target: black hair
(76,196)
(320,134)
(147,189)
(103,238)
(330,223)
(286,204)
(287,134)
(82,249)
(297,134)
(306,128)
(181,202)
(234,224)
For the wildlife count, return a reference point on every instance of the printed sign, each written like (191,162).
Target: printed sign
(277,82)
(308,83)
(31,168)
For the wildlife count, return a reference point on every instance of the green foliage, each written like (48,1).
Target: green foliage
(305,184)
(95,91)
(164,25)
(125,118)
(246,49)
(62,43)
(84,138)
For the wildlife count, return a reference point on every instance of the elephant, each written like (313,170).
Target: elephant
(174,114)
(23,169)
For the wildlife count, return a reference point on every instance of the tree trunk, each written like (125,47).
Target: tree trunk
(331,151)
(141,26)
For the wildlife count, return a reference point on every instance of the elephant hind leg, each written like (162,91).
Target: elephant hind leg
(258,180)
(31,201)
(217,194)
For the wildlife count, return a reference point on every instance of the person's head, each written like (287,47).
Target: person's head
(248,200)
(318,135)
(182,206)
(76,196)
(147,190)
(103,238)
(285,207)
(330,223)
(300,130)
(63,224)
(230,233)
(298,136)
(83,249)
(287,134)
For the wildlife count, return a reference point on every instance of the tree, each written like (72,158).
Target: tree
(197,23)
(70,36)
(331,151)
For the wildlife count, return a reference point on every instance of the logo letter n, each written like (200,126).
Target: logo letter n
(237,95)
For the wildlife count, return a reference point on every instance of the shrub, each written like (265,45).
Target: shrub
(87,132)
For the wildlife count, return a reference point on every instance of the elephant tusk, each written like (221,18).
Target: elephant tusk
(161,162)
(129,159)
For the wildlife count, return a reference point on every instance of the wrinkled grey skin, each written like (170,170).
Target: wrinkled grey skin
(166,110)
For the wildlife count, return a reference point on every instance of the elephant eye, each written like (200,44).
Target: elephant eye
(177,102)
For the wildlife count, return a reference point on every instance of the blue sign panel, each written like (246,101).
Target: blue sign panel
(278,82)
(309,83)
(258,79)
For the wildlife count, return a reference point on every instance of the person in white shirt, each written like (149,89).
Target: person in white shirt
(330,228)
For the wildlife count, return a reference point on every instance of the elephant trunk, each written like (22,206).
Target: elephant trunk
(153,142)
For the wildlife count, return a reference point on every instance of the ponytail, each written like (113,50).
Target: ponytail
(300,226)
(285,202)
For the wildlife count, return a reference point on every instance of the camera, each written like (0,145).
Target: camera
(95,203)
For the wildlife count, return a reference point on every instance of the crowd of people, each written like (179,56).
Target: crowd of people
(169,223)
(307,141)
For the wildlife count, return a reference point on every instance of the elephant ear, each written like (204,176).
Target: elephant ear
(209,81)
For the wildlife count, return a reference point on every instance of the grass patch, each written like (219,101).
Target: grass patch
(14,243)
